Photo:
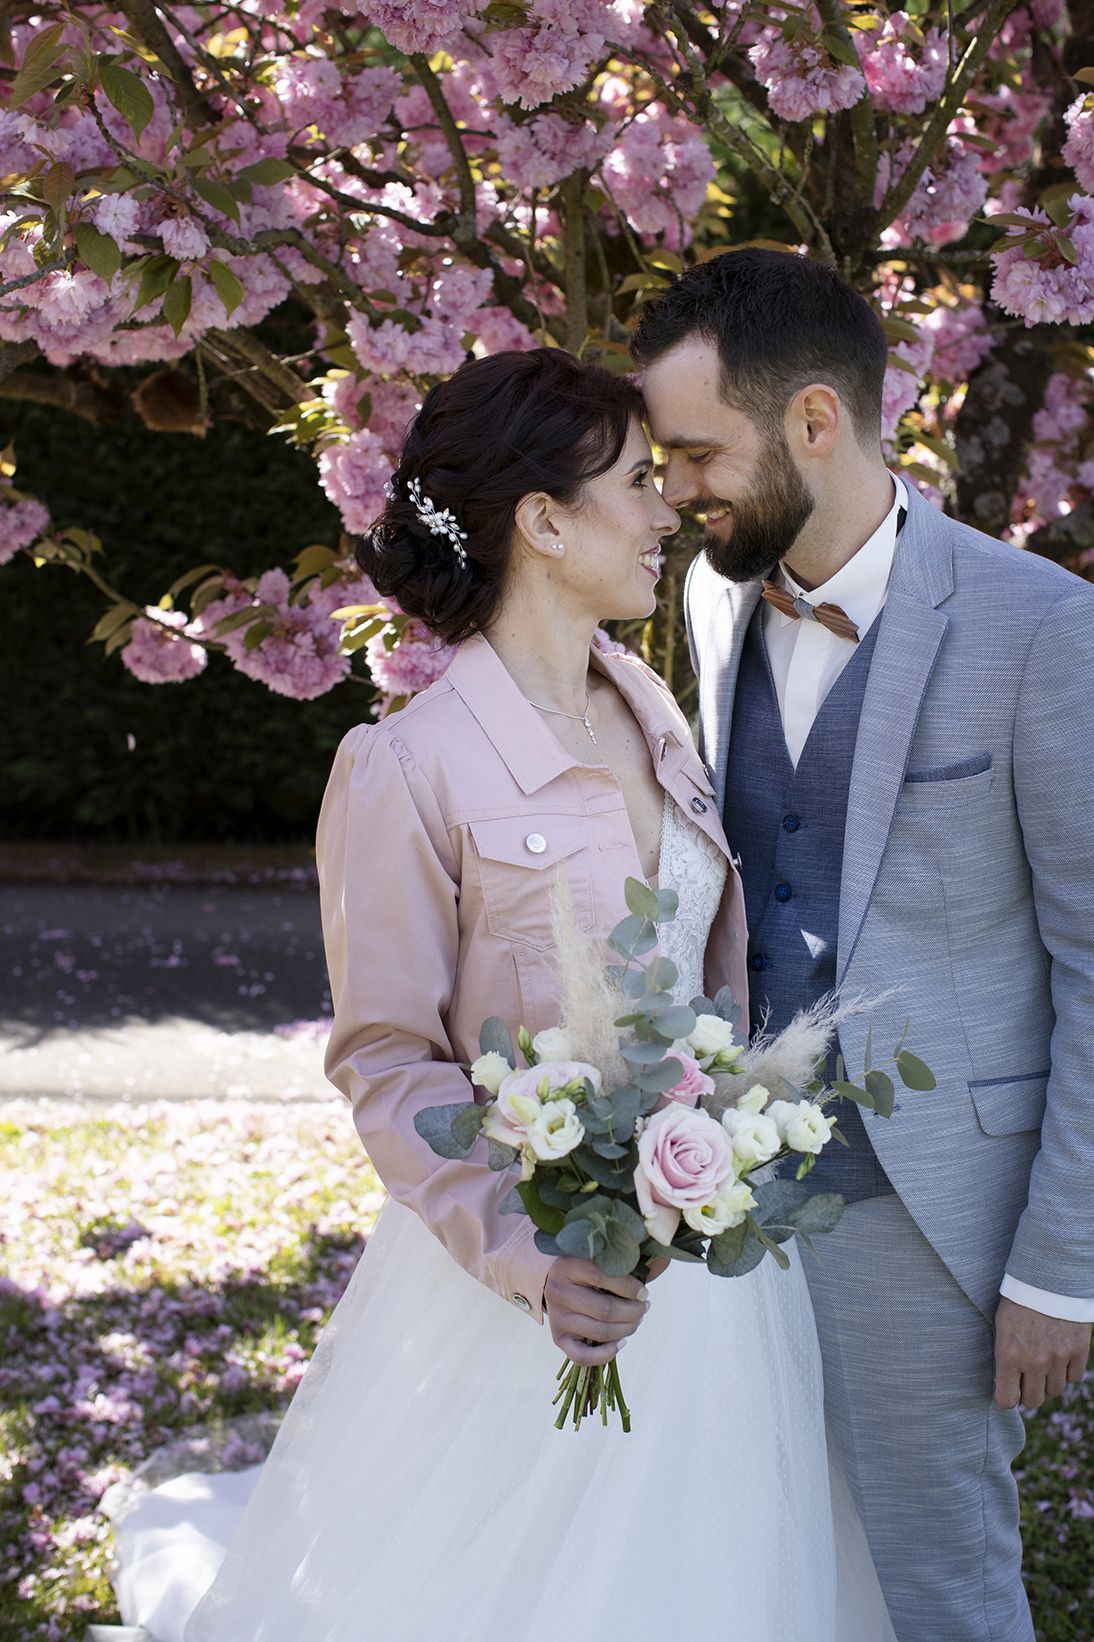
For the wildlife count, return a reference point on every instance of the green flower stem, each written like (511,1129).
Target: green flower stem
(584,1390)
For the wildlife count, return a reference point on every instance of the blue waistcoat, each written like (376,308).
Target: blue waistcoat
(787,825)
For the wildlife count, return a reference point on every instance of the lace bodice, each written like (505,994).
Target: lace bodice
(694,866)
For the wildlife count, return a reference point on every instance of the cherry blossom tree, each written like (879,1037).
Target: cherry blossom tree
(420,180)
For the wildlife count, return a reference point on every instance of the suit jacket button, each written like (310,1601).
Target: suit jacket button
(698,806)
(536,842)
(522,1302)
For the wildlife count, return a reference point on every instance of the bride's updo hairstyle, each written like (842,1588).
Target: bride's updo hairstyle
(498,429)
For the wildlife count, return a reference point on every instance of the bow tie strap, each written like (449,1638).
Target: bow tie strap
(830,616)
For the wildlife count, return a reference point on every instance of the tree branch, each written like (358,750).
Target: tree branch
(148,26)
(451,132)
(901,189)
(573,214)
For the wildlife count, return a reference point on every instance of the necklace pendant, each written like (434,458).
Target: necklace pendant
(589,727)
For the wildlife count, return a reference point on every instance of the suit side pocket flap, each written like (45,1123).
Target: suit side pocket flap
(1010,1106)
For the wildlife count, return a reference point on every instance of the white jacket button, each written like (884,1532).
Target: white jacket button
(536,842)
(522,1301)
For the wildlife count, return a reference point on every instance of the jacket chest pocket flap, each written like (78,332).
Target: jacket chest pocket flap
(521,857)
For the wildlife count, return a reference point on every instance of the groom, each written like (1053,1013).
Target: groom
(898,717)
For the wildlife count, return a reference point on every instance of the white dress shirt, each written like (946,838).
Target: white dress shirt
(806,660)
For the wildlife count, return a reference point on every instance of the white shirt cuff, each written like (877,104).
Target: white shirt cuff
(1064,1306)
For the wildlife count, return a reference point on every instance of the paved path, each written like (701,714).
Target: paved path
(162,990)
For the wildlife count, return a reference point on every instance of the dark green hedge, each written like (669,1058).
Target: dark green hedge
(219,758)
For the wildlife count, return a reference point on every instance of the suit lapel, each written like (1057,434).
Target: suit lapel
(730,613)
(909,639)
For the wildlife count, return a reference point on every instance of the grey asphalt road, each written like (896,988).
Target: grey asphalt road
(161,991)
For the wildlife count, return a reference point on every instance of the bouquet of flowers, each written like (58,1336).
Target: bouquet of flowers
(647,1129)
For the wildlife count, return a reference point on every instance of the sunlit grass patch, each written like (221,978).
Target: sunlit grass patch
(165,1267)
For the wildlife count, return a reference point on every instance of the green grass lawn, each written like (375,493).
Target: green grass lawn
(165,1267)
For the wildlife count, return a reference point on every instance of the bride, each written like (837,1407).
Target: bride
(418,1490)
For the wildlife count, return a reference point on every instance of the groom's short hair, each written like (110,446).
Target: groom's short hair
(779,322)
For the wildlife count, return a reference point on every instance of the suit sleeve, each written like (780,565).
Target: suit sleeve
(389,886)
(693,644)
(1053,1248)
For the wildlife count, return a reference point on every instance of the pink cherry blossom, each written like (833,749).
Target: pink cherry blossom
(901,79)
(1078,150)
(160,650)
(800,78)
(416,661)
(21,522)
(353,475)
(961,340)
(902,388)
(1041,285)
(184,237)
(419,25)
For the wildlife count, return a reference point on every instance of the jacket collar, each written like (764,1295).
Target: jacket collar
(533,756)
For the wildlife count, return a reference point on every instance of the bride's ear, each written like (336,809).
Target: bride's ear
(539,525)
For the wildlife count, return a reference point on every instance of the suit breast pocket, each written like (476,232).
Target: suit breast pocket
(946,786)
(521,858)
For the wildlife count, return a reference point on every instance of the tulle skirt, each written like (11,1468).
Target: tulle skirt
(418,1491)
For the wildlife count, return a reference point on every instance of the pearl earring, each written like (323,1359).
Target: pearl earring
(558,547)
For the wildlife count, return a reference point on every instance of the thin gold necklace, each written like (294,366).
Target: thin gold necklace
(582,718)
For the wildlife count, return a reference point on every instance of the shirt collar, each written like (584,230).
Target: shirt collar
(858,587)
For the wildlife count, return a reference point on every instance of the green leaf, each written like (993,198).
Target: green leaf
(129,94)
(228,286)
(605,1230)
(156,275)
(176,304)
(216,195)
(820,1213)
(661,974)
(643,1054)
(780,1255)
(734,1253)
(110,621)
(311,560)
(58,183)
(660,1079)
(840,49)
(652,1250)
(642,900)
(675,1022)
(498,1155)
(98,251)
(1066,248)
(43,62)
(914,1073)
(851,1091)
(548,1219)
(446,1128)
(256,633)
(512,1203)
(266,172)
(880,1088)
(633,936)
(494,1039)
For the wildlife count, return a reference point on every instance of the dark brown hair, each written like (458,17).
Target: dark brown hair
(499,428)
(779,322)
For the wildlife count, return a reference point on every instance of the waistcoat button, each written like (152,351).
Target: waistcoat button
(536,842)
(698,806)
(783,892)
(758,961)
(791,823)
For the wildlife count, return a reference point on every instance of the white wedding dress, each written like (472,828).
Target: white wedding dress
(418,1490)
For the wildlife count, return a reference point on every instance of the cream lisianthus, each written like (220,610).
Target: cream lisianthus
(555,1131)
(802,1124)
(490,1071)
(553,1043)
(723,1212)
(711,1042)
(754,1137)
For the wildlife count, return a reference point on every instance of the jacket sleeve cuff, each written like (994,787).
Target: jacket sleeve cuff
(1064,1306)
(520,1271)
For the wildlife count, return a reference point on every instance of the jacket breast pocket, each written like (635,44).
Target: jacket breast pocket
(1010,1106)
(947,785)
(521,859)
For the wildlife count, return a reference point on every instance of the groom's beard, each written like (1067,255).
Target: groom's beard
(765,523)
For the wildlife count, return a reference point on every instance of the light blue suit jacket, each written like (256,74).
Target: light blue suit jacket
(968,885)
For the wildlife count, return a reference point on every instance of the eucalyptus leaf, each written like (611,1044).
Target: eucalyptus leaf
(512,1203)
(669,1251)
(734,1253)
(914,1073)
(880,1087)
(642,900)
(546,1244)
(545,1215)
(669,903)
(821,1212)
(437,1127)
(726,1006)
(499,1156)
(642,1054)
(851,1091)
(633,936)
(676,1022)
(494,1039)
(662,1077)
(661,975)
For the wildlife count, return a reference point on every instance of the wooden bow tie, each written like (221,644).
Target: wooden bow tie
(829,615)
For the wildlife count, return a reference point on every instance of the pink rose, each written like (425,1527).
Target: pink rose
(684,1157)
(693,1083)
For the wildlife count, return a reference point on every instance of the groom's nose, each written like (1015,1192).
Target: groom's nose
(676,488)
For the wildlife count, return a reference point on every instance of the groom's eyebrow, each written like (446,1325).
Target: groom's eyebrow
(684,441)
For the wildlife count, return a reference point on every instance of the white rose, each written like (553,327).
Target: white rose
(713,1038)
(755,1100)
(754,1136)
(490,1071)
(553,1043)
(556,1130)
(801,1124)
(723,1212)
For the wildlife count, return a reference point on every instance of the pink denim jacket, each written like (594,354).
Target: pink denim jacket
(441,832)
